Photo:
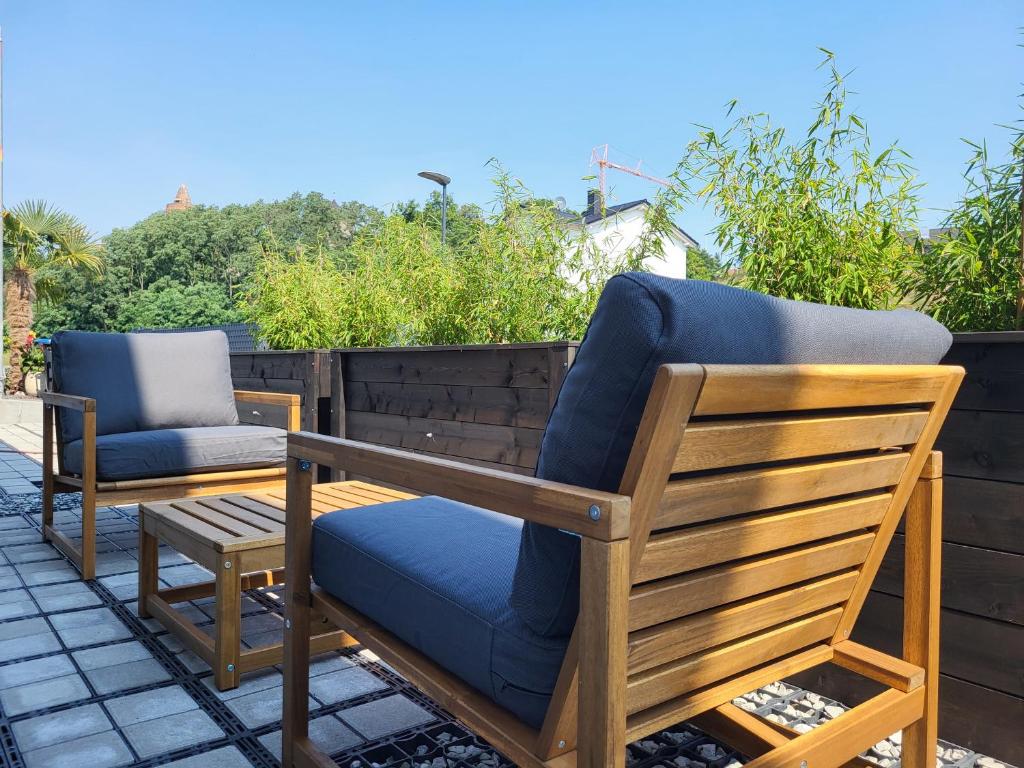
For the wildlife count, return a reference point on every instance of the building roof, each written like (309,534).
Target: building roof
(241,336)
(182,201)
(595,213)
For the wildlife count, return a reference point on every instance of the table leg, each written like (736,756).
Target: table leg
(228,626)
(149,562)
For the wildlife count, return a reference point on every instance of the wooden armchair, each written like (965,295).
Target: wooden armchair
(108,366)
(751,520)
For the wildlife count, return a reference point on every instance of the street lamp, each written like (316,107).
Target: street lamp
(444,181)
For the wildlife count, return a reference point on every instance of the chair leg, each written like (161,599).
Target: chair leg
(295,714)
(921,606)
(89,534)
(149,563)
(89,495)
(47,518)
(603,631)
(228,623)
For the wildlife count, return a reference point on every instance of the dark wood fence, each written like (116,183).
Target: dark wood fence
(484,404)
(982,620)
(304,373)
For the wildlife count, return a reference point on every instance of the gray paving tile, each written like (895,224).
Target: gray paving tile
(25,628)
(56,727)
(172,732)
(328,662)
(32,645)
(148,705)
(101,750)
(259,680)
(192,662)
(260,708)
(29,553)
(344,684)
(18,610)
(132,674)
(26,672)
(383,716)
(225,757)
(43,694)
(13,596)
(109,655)
(65,597)
(326,732)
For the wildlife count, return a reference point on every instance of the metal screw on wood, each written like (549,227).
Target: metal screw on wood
(231,668)
(803,764)
(287,623)
(561,744)
(305,465)
(227,564)
(595,512)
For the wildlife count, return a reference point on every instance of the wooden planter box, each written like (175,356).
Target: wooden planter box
(303,372)
(484,404)
(982,662)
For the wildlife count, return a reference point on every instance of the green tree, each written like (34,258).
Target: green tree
(166,304)
(203,245)
(818,219)
(703,265)
(40,242)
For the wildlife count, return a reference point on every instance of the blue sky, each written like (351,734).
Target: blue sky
(108,106)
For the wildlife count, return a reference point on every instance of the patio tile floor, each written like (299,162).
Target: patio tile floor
(85,682)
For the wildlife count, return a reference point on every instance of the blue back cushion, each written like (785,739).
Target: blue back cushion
(144,381)
(643,321)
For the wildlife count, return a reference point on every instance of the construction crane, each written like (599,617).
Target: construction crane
(599,157)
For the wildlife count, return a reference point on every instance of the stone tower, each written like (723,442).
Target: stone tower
(182,201)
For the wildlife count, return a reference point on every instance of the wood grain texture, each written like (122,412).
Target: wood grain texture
(698,499)
(458,439)
(698,547)
(733,442)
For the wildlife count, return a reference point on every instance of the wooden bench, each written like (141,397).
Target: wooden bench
(241,539)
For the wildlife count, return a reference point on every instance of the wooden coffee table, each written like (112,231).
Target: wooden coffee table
(240,537)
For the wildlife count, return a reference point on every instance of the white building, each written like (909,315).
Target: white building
(614,229)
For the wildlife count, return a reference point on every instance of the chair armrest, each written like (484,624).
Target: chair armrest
(73,402)
(593,514)
(291,402)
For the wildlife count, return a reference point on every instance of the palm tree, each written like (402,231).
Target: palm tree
(39,241)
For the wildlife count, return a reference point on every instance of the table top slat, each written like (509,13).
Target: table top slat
(261,505)
(239,521)
(384,493)
(337,501)
(191,526)
(233,527)
(231,507)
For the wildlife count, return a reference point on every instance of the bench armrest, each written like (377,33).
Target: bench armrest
(73,402)
(592,514)
(291,402)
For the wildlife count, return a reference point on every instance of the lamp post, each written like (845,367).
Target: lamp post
(444,181)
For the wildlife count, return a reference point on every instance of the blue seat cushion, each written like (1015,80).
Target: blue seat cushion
(643,321)
(438,574)
(144,381)
(169,452)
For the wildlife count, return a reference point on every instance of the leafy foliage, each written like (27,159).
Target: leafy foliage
(200,246)
(40,244)
(703,265)
(972,279)
(514,275)
(817,220)
(166,304)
